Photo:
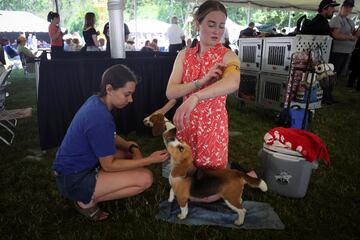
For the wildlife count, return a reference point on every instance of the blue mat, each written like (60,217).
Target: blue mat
(258,215)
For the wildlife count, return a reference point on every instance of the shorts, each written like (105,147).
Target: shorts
(78,186)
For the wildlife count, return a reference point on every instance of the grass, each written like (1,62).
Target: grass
(31,207)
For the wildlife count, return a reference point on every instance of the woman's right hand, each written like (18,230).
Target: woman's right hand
(159,156)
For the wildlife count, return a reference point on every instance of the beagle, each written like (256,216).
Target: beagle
(161,125)
(188,181)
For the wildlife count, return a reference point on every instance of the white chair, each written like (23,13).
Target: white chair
(8,118)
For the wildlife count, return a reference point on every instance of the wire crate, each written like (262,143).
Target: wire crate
(250,50)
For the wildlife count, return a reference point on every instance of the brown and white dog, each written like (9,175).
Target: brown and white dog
(161,126)
(188,181)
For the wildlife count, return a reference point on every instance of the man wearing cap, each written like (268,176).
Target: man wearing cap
(345,36)
(320,24)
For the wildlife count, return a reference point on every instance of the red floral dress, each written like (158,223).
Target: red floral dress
(207,134)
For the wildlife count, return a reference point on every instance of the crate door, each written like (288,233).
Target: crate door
(248,90)
(250,55)
(272,91)
(276,57)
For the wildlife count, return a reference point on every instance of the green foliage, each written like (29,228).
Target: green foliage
(38,7)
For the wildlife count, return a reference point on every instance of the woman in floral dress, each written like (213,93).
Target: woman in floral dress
(198,76)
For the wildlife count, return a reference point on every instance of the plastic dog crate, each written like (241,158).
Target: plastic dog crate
(250,50)
(277,51)
(285,171)
(277,55)
(249,87)
(314,42)
(272,90)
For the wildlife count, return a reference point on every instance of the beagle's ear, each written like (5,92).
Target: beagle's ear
(158,128)
(180,170)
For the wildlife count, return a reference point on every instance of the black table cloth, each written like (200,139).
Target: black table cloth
(65,84)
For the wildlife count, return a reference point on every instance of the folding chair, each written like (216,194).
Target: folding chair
(8,118)
(27,66)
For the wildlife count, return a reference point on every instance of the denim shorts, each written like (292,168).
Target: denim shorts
(79,186)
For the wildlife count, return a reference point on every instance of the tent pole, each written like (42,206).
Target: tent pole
(137,37)
(116,28)
(57,6)
(289,23)
(248,14)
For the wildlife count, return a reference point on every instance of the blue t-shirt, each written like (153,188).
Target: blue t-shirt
(90,135)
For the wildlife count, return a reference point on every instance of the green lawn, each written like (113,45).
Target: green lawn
(31,207)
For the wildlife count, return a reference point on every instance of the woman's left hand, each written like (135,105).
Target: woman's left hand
(182,114)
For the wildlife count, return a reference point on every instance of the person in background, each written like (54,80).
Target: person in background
(93,163)
(147,47)
(67,43)
(102,45)
(188,43)
(202,120)
(107,35)
(89,33)
(56,41)
(129,46)
(345,36)
(175,35)
(76,46)
(23,50)
(249,31)
(319,25)
(154,45)
(10,50)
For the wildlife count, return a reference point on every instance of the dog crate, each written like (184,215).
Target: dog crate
(250,50)
(248,91)
(277,51)
(272,90)
(277,54)
(320,44)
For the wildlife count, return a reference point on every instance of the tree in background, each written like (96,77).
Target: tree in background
(72,12)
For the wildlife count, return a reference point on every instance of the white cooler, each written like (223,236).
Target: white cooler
(286,172)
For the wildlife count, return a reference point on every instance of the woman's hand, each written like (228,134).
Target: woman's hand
(182,114)
(159,156)
(214,73)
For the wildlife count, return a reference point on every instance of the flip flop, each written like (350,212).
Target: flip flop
(94,213)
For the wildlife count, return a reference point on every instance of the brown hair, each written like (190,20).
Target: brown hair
(117,76)
(89,20)
(208,7)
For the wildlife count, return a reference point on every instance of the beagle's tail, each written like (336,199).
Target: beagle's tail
(255,182)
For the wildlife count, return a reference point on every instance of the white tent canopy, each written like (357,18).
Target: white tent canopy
(311,5)
(19,21)
(148,25)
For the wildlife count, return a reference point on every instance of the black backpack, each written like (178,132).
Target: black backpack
(304,25)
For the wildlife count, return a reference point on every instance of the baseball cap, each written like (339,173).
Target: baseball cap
(326,3)
(348,3)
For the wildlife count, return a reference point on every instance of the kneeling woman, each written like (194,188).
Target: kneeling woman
(93,163)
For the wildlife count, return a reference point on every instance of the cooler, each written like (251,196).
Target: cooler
(285,171)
